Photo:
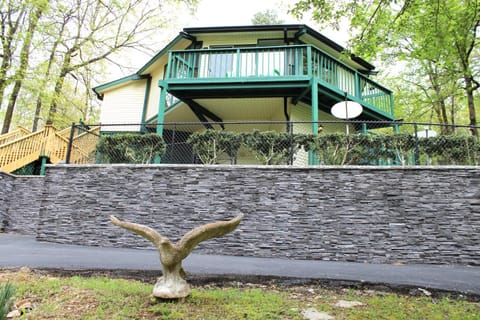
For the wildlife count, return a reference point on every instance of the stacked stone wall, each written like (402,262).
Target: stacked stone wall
(362,214)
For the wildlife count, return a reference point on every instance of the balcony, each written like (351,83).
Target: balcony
(274,71)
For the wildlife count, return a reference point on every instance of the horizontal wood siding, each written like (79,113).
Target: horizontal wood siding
(123,105)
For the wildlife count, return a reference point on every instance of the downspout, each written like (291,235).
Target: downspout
(285,112)
(145,103)
(189,37)
(298,34)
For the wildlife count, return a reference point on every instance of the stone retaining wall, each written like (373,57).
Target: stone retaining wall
(363,214)
(20,199)
(6,185)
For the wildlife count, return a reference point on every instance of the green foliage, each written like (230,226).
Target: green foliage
(65,47)
(433,43)
(130,148)
(453,150)
(267,17)
(358,149)
(269,147)
(330,149)
(274,148)
(211,144)
(6,299)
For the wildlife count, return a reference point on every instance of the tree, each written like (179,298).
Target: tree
(99,30)
(37,8)
(267,17)
(438,37)
(51,50)
(12,17)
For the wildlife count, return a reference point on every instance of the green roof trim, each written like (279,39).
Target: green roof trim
(117,82)
(138,75)
(165,50)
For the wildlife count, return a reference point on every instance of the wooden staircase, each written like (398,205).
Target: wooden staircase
(22,147)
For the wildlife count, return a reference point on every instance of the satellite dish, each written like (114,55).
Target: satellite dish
(346,110)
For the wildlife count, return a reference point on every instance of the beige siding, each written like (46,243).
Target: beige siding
(123,105)
(302,112)
(154,97)
(237,38)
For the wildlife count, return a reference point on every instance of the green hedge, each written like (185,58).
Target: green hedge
(273,148)
(211,144)
(130,148)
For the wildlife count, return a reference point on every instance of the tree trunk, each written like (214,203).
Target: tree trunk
(7,56)
(58,88)
(469,88)
(38,108)
(22,69)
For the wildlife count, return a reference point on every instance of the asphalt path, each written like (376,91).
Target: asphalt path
(20,250)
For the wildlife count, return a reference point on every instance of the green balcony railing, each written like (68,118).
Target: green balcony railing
(282,63)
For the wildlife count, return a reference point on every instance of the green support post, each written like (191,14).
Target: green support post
(312,159)
(161,107)
(357,86)
(309,62)
(44,160)
(364,128)
(161,111)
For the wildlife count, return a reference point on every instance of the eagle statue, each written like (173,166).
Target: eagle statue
(172,284)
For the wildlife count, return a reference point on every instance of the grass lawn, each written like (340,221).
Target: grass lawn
(58,297)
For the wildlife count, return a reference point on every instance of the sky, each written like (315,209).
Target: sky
(214,13)
(238,12)
(211,13)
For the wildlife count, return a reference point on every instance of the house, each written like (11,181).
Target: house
(242,74)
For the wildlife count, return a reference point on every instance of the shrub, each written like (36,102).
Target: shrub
(451,149)
(270,147)
(130,148)
(359,149)
(210,144)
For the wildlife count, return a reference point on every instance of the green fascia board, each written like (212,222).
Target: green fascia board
(173,106)
(225,82)
(139,74)
(151,120)
(133,77)
(164,51)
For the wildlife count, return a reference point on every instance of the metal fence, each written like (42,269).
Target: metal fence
(285,143)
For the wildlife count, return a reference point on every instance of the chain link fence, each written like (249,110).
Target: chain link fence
(284,143)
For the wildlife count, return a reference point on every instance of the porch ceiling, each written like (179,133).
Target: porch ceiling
(241,109)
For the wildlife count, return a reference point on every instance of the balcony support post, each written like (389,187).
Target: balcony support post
(314,106)
(357,86)
(312,159)
(161,106)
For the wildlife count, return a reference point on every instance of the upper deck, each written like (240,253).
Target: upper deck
(274,71)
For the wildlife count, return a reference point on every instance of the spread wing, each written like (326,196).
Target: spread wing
(211,230)
(141,230)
